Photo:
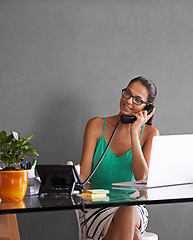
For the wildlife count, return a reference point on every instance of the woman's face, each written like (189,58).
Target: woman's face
(137,90)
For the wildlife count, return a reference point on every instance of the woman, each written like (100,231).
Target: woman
(126,160)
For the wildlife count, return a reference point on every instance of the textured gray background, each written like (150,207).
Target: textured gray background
(65,61)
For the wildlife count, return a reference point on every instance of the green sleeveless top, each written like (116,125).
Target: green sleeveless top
(112,168)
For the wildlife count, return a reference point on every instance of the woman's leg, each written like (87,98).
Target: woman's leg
(125,225)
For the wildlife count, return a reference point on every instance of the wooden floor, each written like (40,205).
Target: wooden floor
(9,227)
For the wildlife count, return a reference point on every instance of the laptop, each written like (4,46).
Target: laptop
(171,162)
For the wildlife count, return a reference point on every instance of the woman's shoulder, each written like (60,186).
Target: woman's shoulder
(151,131)
(148,134)
(96,122)
(95,125)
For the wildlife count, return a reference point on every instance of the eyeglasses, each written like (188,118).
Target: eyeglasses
(136,100)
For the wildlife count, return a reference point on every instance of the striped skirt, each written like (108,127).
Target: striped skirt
(94,223)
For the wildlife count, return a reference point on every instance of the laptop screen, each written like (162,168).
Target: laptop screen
(171,160)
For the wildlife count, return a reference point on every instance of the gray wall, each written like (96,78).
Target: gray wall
(65,61)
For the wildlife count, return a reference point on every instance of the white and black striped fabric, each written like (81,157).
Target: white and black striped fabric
(94,223)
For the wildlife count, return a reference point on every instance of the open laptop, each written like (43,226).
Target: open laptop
(171,162)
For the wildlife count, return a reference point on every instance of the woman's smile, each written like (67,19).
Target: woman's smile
(127,107)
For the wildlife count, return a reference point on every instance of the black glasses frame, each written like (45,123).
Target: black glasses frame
(131,96)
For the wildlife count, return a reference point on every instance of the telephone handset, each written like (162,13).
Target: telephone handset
(130,119)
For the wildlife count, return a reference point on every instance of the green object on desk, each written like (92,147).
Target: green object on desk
(34,163)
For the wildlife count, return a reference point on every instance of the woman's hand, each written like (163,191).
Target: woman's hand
(142,118)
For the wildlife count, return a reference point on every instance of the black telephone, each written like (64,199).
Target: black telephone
(125,119)
(57,178)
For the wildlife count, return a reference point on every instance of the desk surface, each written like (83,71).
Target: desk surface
(117,197)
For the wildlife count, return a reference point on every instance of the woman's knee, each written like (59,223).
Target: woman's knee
(128,214)
(127,217)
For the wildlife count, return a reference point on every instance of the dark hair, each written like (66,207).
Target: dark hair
(151,88)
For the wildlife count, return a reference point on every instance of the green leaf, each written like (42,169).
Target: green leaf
(28,138)
(9,138)
(33,151)
(3,136)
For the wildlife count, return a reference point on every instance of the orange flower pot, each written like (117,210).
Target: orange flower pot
(13,185)
(12,204)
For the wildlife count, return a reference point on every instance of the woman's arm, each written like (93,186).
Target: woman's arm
(93,132)
(141,157)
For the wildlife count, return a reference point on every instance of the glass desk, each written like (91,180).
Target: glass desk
(117,197)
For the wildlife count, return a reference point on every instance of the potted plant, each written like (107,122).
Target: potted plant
(13,178)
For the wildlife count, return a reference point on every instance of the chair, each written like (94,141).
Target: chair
(149,236)
(145,235)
